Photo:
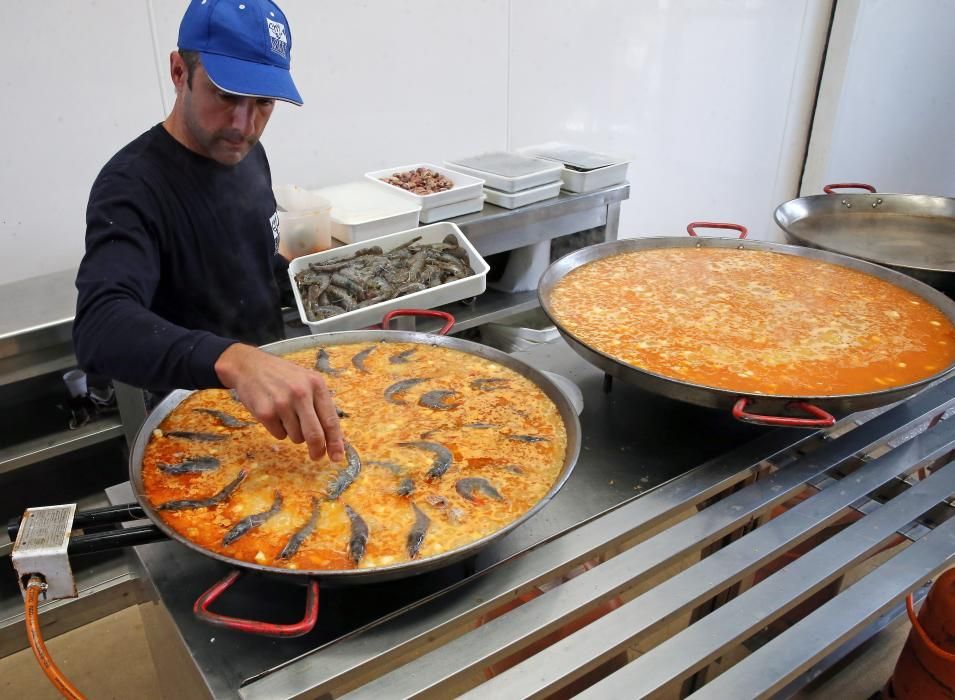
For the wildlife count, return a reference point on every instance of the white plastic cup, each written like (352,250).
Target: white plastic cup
(76,382)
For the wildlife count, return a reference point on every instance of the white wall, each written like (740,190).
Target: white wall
(710,97)
(887,99)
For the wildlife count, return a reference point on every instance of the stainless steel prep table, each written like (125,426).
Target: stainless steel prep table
(633,442)
(36,318)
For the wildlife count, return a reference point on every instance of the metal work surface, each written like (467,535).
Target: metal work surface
(632,441)
(40,302)
(35,324)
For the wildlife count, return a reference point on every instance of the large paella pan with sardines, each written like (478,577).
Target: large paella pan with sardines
(450,444)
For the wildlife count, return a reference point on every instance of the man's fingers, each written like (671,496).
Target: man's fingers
(328,415)
(290,421)
(293,402)
(311,427)
(270,419)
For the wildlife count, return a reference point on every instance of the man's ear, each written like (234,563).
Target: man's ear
(178,71)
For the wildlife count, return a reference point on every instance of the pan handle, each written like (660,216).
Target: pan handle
(828,189)
(108,515)
(822,418)
(268,629)
(114,539)
(445,329)
(691,227)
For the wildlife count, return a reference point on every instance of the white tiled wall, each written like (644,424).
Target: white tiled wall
(710,97)
(701,94)
(78,82)
(887,99)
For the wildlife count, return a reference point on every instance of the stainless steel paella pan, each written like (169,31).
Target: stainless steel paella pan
(911,233)
(785,410)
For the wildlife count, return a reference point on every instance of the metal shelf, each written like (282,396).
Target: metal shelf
(37,363)
(25,453)
(487,308)
(490,306)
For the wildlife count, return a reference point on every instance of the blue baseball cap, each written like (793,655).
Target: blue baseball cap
(245,46)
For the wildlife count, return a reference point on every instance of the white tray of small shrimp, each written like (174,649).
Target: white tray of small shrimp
(354,286)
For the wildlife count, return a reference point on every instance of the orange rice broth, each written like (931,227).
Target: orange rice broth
(374,427)
(754,322)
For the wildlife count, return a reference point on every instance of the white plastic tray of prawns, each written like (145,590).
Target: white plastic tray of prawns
(439,295)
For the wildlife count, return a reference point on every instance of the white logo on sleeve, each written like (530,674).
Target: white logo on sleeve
(277,37)
(274,220)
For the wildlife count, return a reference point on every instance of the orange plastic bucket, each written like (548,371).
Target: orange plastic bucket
(926,667)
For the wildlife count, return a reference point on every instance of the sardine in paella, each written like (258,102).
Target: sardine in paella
(442,449)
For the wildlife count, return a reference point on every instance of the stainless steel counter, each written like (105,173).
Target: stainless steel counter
(37,303)
(35,320)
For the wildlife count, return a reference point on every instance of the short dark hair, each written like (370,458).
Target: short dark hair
(191,59)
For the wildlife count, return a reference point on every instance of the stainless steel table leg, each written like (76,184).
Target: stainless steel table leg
(613,222)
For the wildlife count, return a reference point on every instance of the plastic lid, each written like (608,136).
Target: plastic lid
(504,164)
(574,156)
(292,198)
(360,202)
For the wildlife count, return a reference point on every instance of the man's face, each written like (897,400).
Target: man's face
(222,126)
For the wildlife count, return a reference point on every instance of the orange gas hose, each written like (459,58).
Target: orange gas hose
(67,689)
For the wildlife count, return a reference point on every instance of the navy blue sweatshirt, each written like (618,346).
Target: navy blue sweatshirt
(181,261)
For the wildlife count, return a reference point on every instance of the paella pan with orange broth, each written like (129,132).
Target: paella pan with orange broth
(449,445)
(726,322)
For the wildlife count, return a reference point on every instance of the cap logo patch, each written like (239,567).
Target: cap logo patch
(277,37)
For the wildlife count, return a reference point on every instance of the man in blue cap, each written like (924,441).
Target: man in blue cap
(182,277)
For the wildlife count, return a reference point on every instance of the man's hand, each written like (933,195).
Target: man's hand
(289,400)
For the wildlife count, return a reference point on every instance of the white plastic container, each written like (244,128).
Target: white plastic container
(449,211)
(361,211)
(465,186)
(593,180)
(426,299)
(303,233)
(508,172)
(583,170)
(298,199)
(520,332)
(523,198)
(304,221)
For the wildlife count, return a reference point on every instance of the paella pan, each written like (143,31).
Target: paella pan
(843,333)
